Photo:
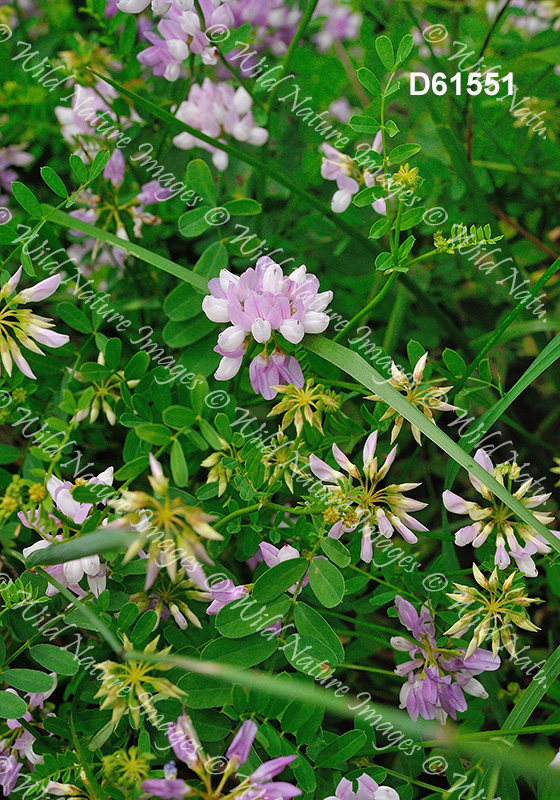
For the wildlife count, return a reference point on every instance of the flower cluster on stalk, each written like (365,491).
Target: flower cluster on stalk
(24,325)
(513,538)
(492,611)
(437,677)
(187,748)
(425,395)
(365,502)
(258,304)
(216,109)
(171,529)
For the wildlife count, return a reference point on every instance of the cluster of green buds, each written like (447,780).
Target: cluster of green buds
(11,400)
(124,686)
(493,610)
(15,593)
(410,178)
(305,405)
(222,464)
(462,237)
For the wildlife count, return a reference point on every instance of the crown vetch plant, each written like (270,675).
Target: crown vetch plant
(220,576)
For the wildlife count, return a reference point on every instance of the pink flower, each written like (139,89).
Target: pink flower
(341,23)
(366,503)
(258,304)
(217,109)
(223,593)
(349,176)
(27,326)
(60,491)
(273,556)
(368,789)
(513,538)
(429,692)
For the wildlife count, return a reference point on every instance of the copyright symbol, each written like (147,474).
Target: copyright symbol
(435,33)
(4,395)
(5,215)
(435,582)
(217,399)
(217,216)
(218,33)
(5,33)
(217,765)
(218,577)
(435,216)
(434,765)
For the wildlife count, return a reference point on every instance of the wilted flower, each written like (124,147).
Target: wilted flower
(174,529)
(499,519)
(305,404)
(101,395)
(492,610)
(264,300)
(368,789)
(425,395)
(280,461)
(437,676)
(169,599)
(27,326)
(217,109)
(124,686)
(350,504)
(219,473)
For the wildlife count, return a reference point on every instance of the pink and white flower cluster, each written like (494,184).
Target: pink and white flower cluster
(217,109)
(180,33)
(70,573)
(437,678)
(514,539)
(341,24)
(349,177)
(257,304)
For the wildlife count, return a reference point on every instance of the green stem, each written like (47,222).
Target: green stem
(368,669)
(372,303)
